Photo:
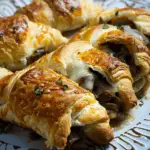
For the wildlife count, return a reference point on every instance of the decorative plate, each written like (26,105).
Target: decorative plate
(135,132)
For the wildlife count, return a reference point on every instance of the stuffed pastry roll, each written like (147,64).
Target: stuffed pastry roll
(127,48)
(63,15)
(106,76)
(50,104)
(22,41)
(134,21)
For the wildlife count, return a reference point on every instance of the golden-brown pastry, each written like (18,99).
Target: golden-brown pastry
(128,48)
(134,21)
(137,18)
(63,15)
(106,76)
(50,104)
(21,39)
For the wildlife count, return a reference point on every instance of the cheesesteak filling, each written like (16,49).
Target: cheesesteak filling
(36,55)
(130,28)
(107,96)
(120,51)
(98,85)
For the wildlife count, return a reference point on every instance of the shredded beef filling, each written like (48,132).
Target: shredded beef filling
(78,141)
(121,52)
(107,97)
(105,94)
(37,54)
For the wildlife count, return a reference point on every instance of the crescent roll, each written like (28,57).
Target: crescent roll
(127,48)
(21,40)
(106,76)
(50,104)
(137,18)
(63,15)
(134,21)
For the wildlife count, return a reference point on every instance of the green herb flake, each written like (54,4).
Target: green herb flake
(38,91)
(105,26)
(59,82)
(51,49)
(120,27)
(65,87)
(117,13)
(72,9)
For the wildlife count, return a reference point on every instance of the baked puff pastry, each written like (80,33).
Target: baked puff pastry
(127,48)
(21,40)
(63,15)
(135,21)
(106,76)
(50,104)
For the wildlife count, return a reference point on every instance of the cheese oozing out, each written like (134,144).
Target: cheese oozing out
(96,83)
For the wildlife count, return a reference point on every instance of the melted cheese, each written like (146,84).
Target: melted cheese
(81,71)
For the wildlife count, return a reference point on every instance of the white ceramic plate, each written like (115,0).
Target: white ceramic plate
(134,135)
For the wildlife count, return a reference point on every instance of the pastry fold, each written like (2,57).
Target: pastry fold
(106,76)
(22,41)
(50,104)
(135,17)
(61,14)
(127,48)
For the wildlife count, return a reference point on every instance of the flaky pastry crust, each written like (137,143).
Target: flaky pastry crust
(20,38)
(63,15)
(100,35)
(139,17)
(69,56)
(35,98)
